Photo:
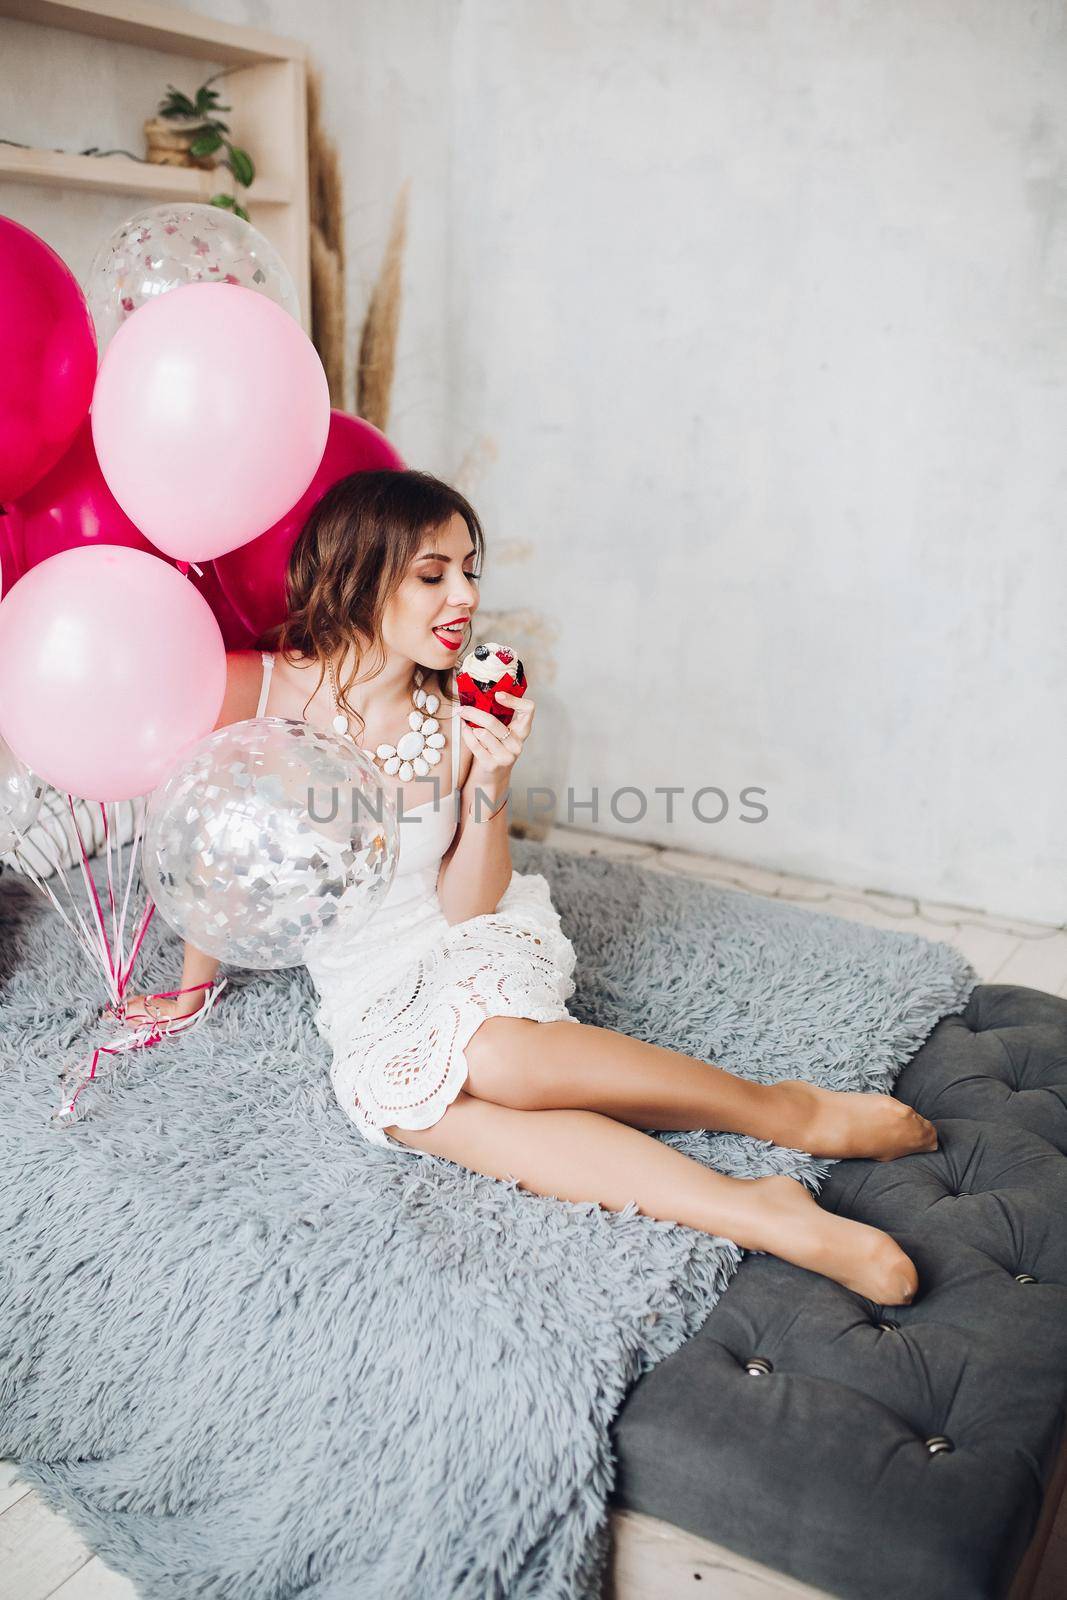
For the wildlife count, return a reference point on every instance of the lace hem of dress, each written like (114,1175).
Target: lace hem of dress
(372,1118)
(403,1061)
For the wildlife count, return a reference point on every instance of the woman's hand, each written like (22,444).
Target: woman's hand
(497,745)
(141,1008)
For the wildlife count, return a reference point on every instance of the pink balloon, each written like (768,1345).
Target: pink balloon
(210,415)
(253,577)
(47,358)
(111,665)
(72,507)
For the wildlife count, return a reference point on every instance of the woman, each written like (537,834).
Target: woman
(447,1013)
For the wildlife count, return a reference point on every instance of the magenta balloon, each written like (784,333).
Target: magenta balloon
(11,563)
(236,634)
(111,665)
(210,415)
(47,358)
(71,508)
(253,577)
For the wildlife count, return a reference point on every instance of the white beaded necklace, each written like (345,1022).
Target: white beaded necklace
(416,751)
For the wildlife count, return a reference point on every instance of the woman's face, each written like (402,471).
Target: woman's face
(439,587)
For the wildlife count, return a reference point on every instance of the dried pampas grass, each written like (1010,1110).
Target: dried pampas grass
(326,212)
(475,464)
(377,347)
(328,315)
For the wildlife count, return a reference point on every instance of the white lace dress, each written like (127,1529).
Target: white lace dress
(400,999)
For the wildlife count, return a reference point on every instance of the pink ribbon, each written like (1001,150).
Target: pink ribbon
(149,1033)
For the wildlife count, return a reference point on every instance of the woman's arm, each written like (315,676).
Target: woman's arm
(243,669)
(476,868)
(198,967)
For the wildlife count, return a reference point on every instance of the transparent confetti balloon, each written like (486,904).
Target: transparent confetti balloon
(20,798)
(268,833)
(170,245)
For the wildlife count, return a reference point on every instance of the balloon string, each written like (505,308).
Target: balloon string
(95,903)
(122,879)
(124,977)
(126,966)
(183,568)
(110,884)
(57,868)
(80,931)
(149,1033)
(94,942)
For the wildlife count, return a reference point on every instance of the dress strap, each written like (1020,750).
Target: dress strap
(268,668)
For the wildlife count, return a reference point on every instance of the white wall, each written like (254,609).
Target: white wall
(766,306)
(753,316)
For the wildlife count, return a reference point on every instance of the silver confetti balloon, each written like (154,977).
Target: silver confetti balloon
(268,833)
(168,246)
(20,798)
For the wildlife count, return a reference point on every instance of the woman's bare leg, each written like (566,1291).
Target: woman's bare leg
(581,1155)
(566,1065)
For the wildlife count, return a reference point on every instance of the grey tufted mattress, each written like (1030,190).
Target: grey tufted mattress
(875,1452)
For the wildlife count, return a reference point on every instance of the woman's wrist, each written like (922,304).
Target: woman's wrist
(486,797)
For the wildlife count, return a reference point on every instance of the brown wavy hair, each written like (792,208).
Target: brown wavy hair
(349,559)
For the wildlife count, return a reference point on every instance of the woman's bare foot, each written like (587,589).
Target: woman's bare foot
(792,1225)
(835,1122)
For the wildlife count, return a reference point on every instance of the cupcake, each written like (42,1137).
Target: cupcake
(484,670)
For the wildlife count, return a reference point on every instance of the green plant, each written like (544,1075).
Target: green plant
(204,108)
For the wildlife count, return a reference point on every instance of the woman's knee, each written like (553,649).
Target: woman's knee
(439,1134)
(470,1131)
(500,1056)
(476,1134)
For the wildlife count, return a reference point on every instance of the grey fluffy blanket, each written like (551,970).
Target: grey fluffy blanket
(250,1355)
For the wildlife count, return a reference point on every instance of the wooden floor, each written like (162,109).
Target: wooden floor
(41,1555)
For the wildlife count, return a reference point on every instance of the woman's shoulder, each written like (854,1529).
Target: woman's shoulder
(246,666)
(244,674)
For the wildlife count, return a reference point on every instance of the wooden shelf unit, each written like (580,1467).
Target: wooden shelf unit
(268,93)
